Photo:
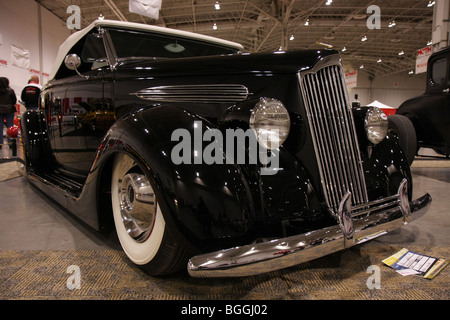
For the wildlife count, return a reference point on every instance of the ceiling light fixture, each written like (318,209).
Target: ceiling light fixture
(344,49)
(401,53)
(429,43)
(292,37)
(361,66)
(217,5)
(307,22)
(430,4)
(392,24)
(215,26)
(364,38)
(328,2)
(379,60)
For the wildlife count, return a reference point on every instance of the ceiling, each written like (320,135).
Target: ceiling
(268,25)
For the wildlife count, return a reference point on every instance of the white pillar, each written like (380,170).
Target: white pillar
(441,25)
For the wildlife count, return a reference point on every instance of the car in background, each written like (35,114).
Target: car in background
(429,113)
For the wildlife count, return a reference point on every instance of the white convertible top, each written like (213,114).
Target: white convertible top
(75,37)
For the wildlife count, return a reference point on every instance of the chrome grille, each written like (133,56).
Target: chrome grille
(334,136)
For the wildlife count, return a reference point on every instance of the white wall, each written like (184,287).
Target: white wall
(391,90)
(19,26)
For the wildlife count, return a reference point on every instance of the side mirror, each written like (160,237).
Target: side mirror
(72,62)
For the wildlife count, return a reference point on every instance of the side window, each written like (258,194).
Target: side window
(439,71)
(94,53)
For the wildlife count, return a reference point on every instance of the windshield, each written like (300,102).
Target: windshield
(129,44)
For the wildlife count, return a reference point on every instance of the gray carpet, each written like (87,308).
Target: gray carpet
(108,275)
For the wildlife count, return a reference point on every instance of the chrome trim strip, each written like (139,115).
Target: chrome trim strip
(204,93)
(370,210)
(277,254)
(376,202)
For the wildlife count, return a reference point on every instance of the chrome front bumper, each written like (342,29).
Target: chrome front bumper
(356,225)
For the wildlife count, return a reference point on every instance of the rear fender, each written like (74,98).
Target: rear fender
(37,154)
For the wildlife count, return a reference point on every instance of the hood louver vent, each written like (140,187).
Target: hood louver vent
(210,93)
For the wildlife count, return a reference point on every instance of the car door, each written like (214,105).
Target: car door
(80,109)
(436,114)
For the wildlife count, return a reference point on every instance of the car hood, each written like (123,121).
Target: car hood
(276,62)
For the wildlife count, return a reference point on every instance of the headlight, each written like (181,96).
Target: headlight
(376,125)
(271,123)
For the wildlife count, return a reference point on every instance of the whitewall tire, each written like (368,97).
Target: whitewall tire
(139,220)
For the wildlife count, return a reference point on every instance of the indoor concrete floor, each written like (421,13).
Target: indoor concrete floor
(31,221)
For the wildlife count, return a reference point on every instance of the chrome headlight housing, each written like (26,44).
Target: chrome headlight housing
(271,122)
(376,125)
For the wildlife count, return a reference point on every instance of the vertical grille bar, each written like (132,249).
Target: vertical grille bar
(334,136)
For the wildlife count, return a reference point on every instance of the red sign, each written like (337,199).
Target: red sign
(424,51)
(351,78)
(422,59)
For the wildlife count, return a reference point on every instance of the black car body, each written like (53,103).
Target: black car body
(102,144)
(430,112)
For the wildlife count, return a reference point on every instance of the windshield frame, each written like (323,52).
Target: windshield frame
(115,59)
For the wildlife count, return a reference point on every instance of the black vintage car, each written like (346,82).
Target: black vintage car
(201,156)
(429,113)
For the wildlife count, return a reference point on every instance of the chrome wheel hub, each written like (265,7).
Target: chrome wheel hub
(137,206)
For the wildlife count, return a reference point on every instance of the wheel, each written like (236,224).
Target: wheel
(406,133)
(140,225)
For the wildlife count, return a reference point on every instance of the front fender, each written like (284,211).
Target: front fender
(207,203)
(385,164)
(288,198)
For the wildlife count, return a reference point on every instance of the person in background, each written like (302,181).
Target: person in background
(7,106)
(30,94)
